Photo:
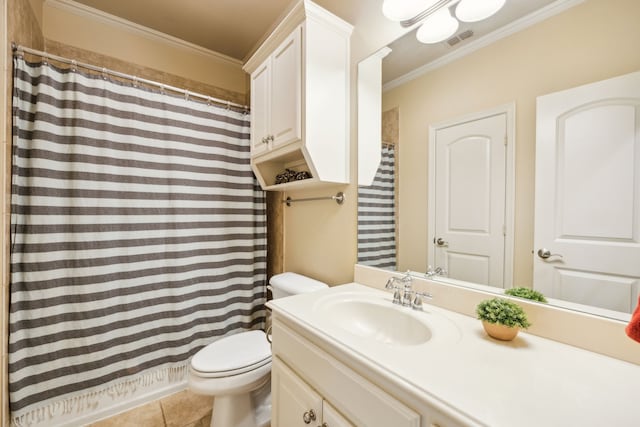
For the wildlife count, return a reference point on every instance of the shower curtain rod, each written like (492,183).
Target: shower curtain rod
(18,49)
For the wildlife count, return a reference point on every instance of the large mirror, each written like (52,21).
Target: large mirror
(540,47)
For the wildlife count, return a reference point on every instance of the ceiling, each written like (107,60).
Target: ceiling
(230,27)
(236,27)
(407,53)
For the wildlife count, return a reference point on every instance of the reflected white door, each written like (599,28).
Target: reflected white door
(587,213)
(470,179)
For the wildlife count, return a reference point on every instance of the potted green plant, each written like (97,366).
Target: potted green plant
(501,318)
(526,293)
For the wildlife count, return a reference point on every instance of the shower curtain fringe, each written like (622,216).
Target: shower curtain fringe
(20,50)
(91,400)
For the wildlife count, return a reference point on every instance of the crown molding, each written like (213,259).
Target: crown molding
(518,25)
(149,33)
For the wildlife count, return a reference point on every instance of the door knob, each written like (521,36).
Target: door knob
(441,242)
(309,416)
(545,253)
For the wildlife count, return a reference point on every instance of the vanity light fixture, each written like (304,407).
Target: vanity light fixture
(437,22)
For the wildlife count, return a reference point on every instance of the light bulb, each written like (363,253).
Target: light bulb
(402,10)
(437,27)
(477,10)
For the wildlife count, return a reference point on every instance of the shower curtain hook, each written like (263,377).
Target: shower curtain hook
(228,105)
(186,95)
(208,100)
(135,81)
(104,73)
(74,65)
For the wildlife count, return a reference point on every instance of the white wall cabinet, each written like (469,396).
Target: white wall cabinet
(276,96)
(300,99)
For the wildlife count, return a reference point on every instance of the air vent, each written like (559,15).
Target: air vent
(453,41)
(465,34)
(462,36)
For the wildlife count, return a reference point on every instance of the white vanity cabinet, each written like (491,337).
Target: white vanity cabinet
(300,99)
(297,404)
(306,378)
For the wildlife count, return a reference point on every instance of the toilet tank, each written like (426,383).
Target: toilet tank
(286,284)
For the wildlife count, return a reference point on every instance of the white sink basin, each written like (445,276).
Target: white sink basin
(384,323)
(368,315)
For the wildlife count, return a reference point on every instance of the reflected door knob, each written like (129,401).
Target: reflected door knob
(545,253)
(441,242)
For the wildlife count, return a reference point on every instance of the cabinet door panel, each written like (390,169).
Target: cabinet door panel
(260,108)
(332,418)
(286,90)
(292,399)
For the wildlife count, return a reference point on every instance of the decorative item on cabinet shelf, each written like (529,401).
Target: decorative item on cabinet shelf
(501,318)
(290,175)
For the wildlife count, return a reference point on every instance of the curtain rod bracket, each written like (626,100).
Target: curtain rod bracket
(339,198)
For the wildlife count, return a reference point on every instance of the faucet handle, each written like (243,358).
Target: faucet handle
(417,300)
(390,282)
(397,295)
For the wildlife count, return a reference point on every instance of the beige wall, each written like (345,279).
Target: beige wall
(320,237)
(592,41)
(75,27)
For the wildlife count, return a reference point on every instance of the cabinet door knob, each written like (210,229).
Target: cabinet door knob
(309,416)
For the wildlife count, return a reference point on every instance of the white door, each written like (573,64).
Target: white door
(470,191)
(286,90)
(587,213)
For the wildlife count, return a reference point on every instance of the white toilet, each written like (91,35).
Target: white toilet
(236,369)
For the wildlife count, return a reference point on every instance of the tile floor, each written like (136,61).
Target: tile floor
(183,409)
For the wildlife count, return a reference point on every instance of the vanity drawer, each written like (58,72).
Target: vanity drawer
(361,401)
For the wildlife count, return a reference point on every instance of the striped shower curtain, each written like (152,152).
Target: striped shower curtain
(377,215)
(137,236)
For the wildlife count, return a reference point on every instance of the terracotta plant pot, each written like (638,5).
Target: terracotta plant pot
(500,332)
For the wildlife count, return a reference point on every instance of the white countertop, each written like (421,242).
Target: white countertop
(530,381)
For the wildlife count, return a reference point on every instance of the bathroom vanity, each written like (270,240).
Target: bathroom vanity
(348,356)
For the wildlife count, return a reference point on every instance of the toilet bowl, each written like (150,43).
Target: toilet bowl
(236,369)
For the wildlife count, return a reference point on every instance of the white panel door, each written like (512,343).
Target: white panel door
(260,108)
(286,90)
(587,213)
(470,175)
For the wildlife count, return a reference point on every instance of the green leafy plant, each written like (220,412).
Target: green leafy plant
(527,293)
(502,311)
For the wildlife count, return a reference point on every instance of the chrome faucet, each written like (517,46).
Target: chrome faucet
(438,271)
(404,295)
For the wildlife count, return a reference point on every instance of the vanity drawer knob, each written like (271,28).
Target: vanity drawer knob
(309,416)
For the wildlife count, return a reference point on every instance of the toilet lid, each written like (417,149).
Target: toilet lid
(233,355)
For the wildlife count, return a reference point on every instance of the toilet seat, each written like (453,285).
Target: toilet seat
(233,355)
